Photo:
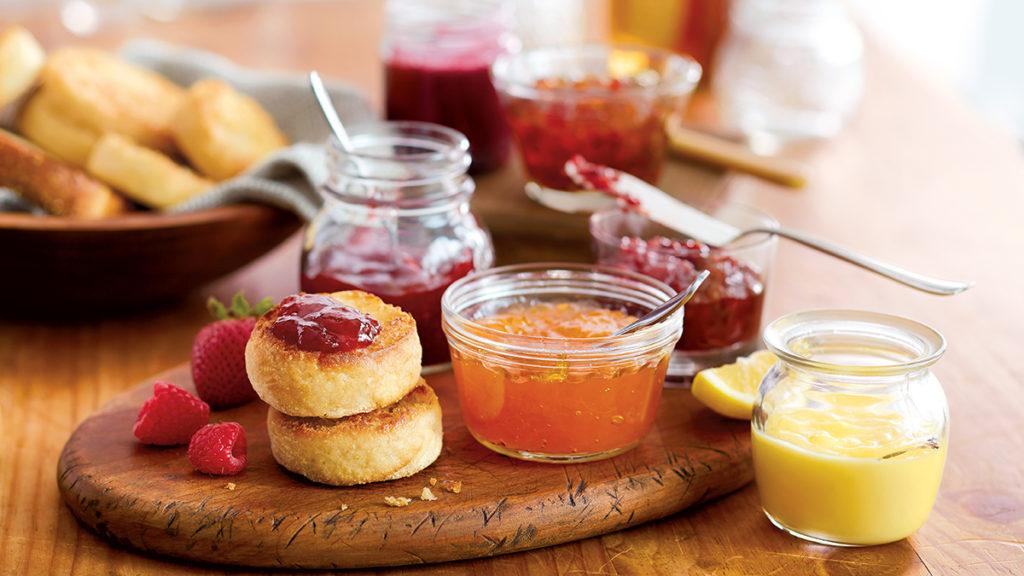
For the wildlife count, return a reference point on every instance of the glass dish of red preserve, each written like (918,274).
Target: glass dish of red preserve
(607,103)
(396,222)
(437,57)
(723,320)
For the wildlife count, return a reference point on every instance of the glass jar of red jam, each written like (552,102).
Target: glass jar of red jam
(437,56)
(606,103)
(396,222)
(539,374)
(723,320)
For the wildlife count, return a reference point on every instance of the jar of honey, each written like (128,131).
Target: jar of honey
(850,428)
(396,222)
(540,375)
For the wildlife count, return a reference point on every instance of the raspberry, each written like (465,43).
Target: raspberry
(218,449)
(170,417)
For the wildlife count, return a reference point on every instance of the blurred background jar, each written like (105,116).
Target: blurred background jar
(396,222)
(437,56)
(788,70)
(690,27)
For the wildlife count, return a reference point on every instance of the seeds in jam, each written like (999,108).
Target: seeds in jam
(597,117)
(558,320)
(319,323)
(727,308)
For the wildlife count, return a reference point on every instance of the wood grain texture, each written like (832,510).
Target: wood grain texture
(917,178)
(150,498)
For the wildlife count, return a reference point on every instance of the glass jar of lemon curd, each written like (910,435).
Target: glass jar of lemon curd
(850,427)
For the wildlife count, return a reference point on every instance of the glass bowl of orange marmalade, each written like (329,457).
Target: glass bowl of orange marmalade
(538,373)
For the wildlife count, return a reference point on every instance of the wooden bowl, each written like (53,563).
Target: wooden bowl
(76,267)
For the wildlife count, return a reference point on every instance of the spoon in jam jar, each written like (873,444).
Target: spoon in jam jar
(672,213)
(330,113)
(666,309)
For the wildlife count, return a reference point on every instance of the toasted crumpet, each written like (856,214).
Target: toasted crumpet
(144,175)
(222,131)
(337,384)
(388,443)
(99,91)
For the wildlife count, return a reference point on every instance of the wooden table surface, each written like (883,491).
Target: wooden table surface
(917,179)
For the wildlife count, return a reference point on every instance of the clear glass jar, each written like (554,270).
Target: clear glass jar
(437,56)
(605,102)
(558,399)
(850,427)
(692,27)
(396,222)
(723,320)
(789,70)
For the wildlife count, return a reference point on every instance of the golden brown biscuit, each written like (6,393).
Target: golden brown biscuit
(144,175)
(392,442)
(103,93)
(60,189)
(222,132)
(44,125)
(21,59)
(337,384)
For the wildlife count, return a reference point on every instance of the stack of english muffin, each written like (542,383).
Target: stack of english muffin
(346,418)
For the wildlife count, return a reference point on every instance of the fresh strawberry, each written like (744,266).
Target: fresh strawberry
(218,449)
(218,352)
(170,417)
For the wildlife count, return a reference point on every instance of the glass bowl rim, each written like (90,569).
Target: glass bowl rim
(684,82)
(639,341)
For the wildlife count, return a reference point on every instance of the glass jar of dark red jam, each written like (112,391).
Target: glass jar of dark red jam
(723,320)
(437,56)
(396,223)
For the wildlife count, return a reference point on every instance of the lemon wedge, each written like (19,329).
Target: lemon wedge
(731,390)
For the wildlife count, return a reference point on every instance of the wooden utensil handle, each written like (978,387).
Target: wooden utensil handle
(720,152)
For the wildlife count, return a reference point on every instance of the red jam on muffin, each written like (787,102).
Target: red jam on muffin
(319,323)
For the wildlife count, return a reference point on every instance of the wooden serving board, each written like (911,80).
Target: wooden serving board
(150,499)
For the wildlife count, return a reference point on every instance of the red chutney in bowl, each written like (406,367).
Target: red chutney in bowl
(727,308)
(610,128)
(605,102)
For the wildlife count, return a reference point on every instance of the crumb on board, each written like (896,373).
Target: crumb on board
(426,494)
(433,481)
(453,486)
(397,501)
(230,486)
(344,507)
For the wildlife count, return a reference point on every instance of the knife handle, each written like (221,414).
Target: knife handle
(722,153)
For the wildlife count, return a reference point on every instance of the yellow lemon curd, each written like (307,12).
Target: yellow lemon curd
(850,471)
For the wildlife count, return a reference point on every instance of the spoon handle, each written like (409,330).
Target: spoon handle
(665,309)
(327,107)
(914,280)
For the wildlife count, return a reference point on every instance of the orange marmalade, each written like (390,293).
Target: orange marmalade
(576,399)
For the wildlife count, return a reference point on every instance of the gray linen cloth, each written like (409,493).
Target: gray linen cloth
(290,177)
